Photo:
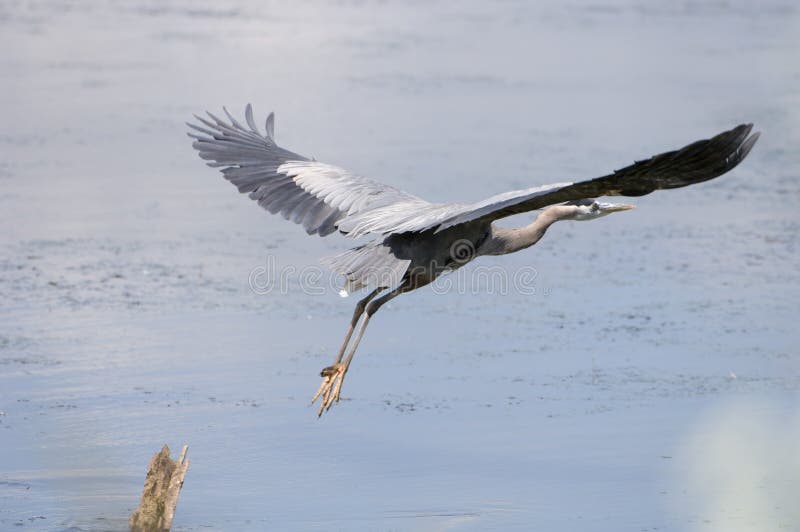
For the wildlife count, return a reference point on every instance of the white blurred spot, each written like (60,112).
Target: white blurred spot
(740,468)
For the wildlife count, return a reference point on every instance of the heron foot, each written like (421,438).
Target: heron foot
(331,387)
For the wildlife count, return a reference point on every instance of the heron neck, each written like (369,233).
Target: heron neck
(504,240)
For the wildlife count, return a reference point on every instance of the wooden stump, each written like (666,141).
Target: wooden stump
(161,489)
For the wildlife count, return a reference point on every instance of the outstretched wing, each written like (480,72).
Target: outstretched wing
(313,194)
(695,163)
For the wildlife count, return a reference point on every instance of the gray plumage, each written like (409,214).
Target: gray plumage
(316,195)
(415,241)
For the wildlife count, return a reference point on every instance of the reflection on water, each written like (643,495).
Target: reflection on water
(609,398)
(742,465)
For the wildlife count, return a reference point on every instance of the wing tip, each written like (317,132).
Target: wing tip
(748,144)
(270,125)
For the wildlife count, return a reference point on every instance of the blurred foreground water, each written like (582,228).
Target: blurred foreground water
(646,379)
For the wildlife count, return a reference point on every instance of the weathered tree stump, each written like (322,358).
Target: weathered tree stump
(161,489)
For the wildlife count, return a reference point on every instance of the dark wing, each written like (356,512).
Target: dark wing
(695,163)
(307,192)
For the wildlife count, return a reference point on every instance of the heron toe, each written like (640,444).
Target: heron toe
(331,386)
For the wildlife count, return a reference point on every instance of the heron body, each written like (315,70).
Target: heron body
(421,257)
(415,241)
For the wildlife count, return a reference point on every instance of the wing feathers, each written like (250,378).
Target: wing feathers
(270,125)
(314,194)
(697,162)
(248,116)
(323,197)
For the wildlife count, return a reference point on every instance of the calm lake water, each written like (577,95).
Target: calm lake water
(647,378)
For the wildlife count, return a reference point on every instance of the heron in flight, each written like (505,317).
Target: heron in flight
(415,241)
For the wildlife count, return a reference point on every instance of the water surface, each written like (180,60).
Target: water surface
(649,381)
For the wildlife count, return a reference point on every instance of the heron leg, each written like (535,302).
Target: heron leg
(333,376)
(359,310)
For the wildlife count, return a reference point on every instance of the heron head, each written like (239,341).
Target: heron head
(589,209)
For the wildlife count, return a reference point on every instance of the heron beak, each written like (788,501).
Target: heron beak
(616,208)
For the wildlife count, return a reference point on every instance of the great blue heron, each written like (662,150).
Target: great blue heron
(415,241)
